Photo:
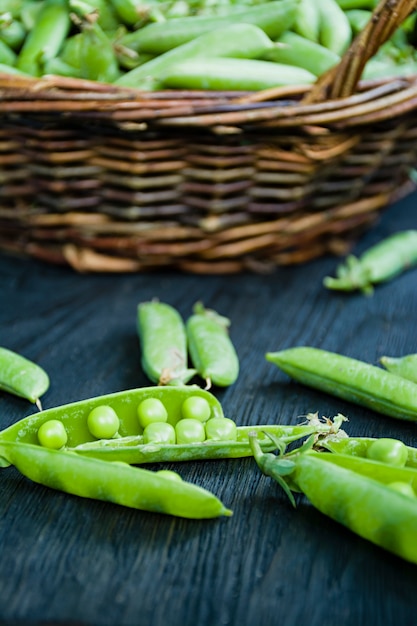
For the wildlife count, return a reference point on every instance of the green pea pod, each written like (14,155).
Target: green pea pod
(211,349)
(117,483)
(273,18)
(30,12)
(234,74)
(354,492)
(12,33)
(13,7)
(335,29)
(22,377)
(58,67)
(382,262)
(128,11)
(307,21)
(106,16)
(128,446)
(7,56)
(98,60)
(9,69)
(46,38)
(350,379)
(404,366)
(292,49)
(163,343)
(235,40)
(359,446)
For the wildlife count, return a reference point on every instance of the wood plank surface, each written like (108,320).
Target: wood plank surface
(68,561)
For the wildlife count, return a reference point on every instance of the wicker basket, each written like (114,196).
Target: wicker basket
(110,179)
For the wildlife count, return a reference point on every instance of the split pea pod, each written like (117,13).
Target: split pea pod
(128,443)
(46,38)
(211,349)
(234,74)
(358,495)
(117,483)
(363,446)
(235,40)
(351,379)
(163,343)
(404,366)
(22,377)
(273,18)
(380,263)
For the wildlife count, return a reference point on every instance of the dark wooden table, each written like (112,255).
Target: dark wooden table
(72,561)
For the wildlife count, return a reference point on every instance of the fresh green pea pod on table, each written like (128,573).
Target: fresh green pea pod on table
(69,427)
(293,49)
(392,451)
(118,483)
(273,18)
(22,377)
(46,38)
(210,346)
(351,379)
(380,263)
(404,366)
(357,493)
(163,343)
(233,74)
(235,40)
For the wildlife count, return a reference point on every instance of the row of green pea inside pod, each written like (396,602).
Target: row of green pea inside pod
(206,44)
(193,423)
(167,343)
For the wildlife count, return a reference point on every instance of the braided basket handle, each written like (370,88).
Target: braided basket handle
(341,81)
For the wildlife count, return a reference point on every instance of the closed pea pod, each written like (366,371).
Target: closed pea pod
(356,494)
(335,29)
(163,343)
(46,38)
(350,379)
(22,377)
(307,21)
(211,349)
(380,263)
(118,483)
(234,40)
(273,18)
(292,49)
(404,366)
(234,74)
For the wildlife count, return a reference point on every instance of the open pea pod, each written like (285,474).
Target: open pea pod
(129,444)
(118,483)
(375,500)
(360,447)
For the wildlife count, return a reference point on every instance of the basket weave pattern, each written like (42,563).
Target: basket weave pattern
(109,179)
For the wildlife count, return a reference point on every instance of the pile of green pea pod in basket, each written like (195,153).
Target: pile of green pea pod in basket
(92,448)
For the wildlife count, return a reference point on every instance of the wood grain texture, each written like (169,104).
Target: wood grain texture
(67,561)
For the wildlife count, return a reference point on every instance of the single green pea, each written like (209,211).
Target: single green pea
(404,488)
(103,422)
(52,434)
(170,474)
(387,450)
(190,431)
(221,429)
(196,407)
(151,410)
(159,432)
